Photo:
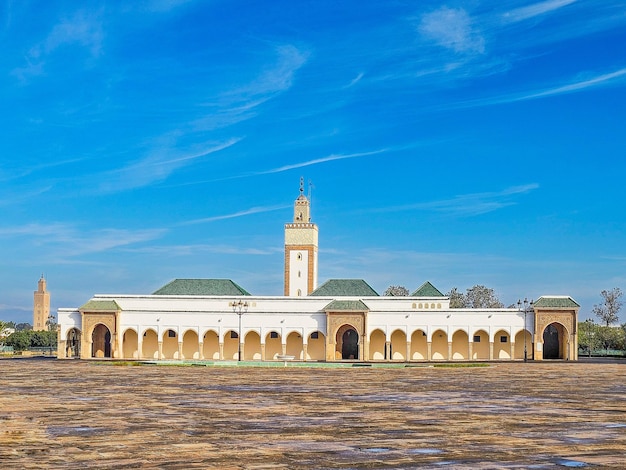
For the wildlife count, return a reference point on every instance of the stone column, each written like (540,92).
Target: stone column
(429,355)
(304,351)
(449,350)
(263,351)
(491,350)
(388,350)
(180,351)
(140,348)
(221,351)
(283,347)
(160,355)
(512,350)
(408,351)
(200,349)
(470,350)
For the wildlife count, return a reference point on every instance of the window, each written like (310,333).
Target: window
(234,335)
(476,338)
(504,339)
(274,335)
(315,335)
(171,334)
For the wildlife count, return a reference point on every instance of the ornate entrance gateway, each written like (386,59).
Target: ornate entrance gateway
(345,336)
(552,341)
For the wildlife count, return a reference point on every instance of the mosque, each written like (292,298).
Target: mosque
(340,320)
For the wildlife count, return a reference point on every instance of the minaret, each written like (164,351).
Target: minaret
(41,309)
(301,249)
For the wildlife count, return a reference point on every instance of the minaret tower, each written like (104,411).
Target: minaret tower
(301,249)
(41,309)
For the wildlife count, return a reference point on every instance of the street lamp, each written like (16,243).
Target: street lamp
(239,307)
(519,307)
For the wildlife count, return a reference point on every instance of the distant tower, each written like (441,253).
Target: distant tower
(301,249)
(41,309)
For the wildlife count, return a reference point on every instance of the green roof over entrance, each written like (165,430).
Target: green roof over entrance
(345,288)
(201,287)
(100,306)
(562,301)
(346,306)
(427,290)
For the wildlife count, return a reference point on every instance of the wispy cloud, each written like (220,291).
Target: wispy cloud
(157,167)
(84,29)
(469,205)
(454,29)
(69,240)
(243,213)
(537,9)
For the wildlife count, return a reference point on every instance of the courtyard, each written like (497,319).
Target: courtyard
(88,414)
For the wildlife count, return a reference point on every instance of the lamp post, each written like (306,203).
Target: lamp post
(519,307)
(239,307)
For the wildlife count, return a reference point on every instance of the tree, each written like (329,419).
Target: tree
(607,311)
(589,336)
(478,296)
(396,291)
(457,299)
(23,326)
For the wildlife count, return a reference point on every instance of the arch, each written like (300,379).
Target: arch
(347,341)
(502,345)
(398,346)
(273,346)
(419,346)
(460,345)
(295,345)
(231,345)
(252,346)
(480,345)
(150,345)
(101,341)
(170,344)
(377,345)
(523,340)
(316,346)
(130,344)
(72,343)
(439,346)
(211,345)
(554,344)
(190,345)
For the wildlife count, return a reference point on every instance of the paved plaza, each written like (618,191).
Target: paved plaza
(81,414)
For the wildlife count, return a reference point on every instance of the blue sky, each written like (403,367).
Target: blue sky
(458,142)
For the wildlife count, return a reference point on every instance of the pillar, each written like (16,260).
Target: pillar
(470,350)
(449,350)
(388,350)
(200,349)
(263,351)
(429,355)
(491,350)
(140,347)
(160,355)
(180,351)
(304,351)
(221,351)
(408,351)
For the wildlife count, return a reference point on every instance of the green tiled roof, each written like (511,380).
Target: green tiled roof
(427,290)
(344,287)
(100,306)
(346,305)
(201,287)
(556,302)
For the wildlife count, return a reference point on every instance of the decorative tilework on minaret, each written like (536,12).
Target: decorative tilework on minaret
(41,309)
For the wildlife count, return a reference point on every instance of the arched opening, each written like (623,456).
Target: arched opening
(480,345)
(101,341)
(398,346)
(377,345)
(523,340)
(72,343)
(130,344)
(211,346)
(439,347)
(273,346)
(419,346)
(170,344)
(231,345)
(150,345)
(316,346)
(252,347)
(295,345)
(347,340)
(460,345)
(190,345)
(502,345)
(553,344)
